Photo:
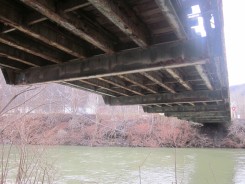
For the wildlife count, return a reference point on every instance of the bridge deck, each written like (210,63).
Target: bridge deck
(131,52)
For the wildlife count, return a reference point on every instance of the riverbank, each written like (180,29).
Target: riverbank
(92,130)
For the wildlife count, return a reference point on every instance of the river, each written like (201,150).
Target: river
(118,165)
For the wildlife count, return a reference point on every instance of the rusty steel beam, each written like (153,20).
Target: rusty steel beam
(14,54)
(204,76)
(9,63)
(50,36)
(168,11)
(185,97)
(31,47)
(35,17)
(138,82)
(206,108)
(197,114)
(6,65)
(69,6)
(126,62)
(80,85)
(103,85)
(120,85)
(207,116)
(112,10)
(176,75)
(207,120)
(81,28)
(158,80)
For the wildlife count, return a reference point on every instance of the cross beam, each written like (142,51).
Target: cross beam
(186,97)
(169,11)
(113,12)
(157,57)
(14,17)
(81,28)
(201,108)
(198,114)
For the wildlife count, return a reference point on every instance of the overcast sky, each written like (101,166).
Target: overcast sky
(234,22)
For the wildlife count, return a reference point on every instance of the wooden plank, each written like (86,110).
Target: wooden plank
(126,62)
(49,36)
(185,97)
(79,27)
(135,30)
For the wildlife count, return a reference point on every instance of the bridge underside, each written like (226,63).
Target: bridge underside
(135,52)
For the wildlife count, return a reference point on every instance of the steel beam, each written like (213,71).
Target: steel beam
(206,108)
(135,30)
(14,17)
(81,28)
(138,82)
(34,17)
(120,85)
(197,114)
(20,56)
(104,85)
(80,85)
(5,62)
(157,57)
(158,80)
(185,97)
(176,75)
(68,6)
(204,76)
(168,11)
(207,120)
(31,47)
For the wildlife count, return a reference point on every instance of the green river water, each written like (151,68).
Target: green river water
(116,165)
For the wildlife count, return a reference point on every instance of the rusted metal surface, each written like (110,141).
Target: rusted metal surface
(204,76)
(158,80)
(71,23)
(131,52)
(169,11)
(42,33)
(176,75)
(198,108)
(155,58)
(111,9)
(185,97)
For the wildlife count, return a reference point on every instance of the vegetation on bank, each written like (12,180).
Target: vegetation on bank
(55,114)
(145,131)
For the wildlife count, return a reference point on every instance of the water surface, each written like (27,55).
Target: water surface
(115,165)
